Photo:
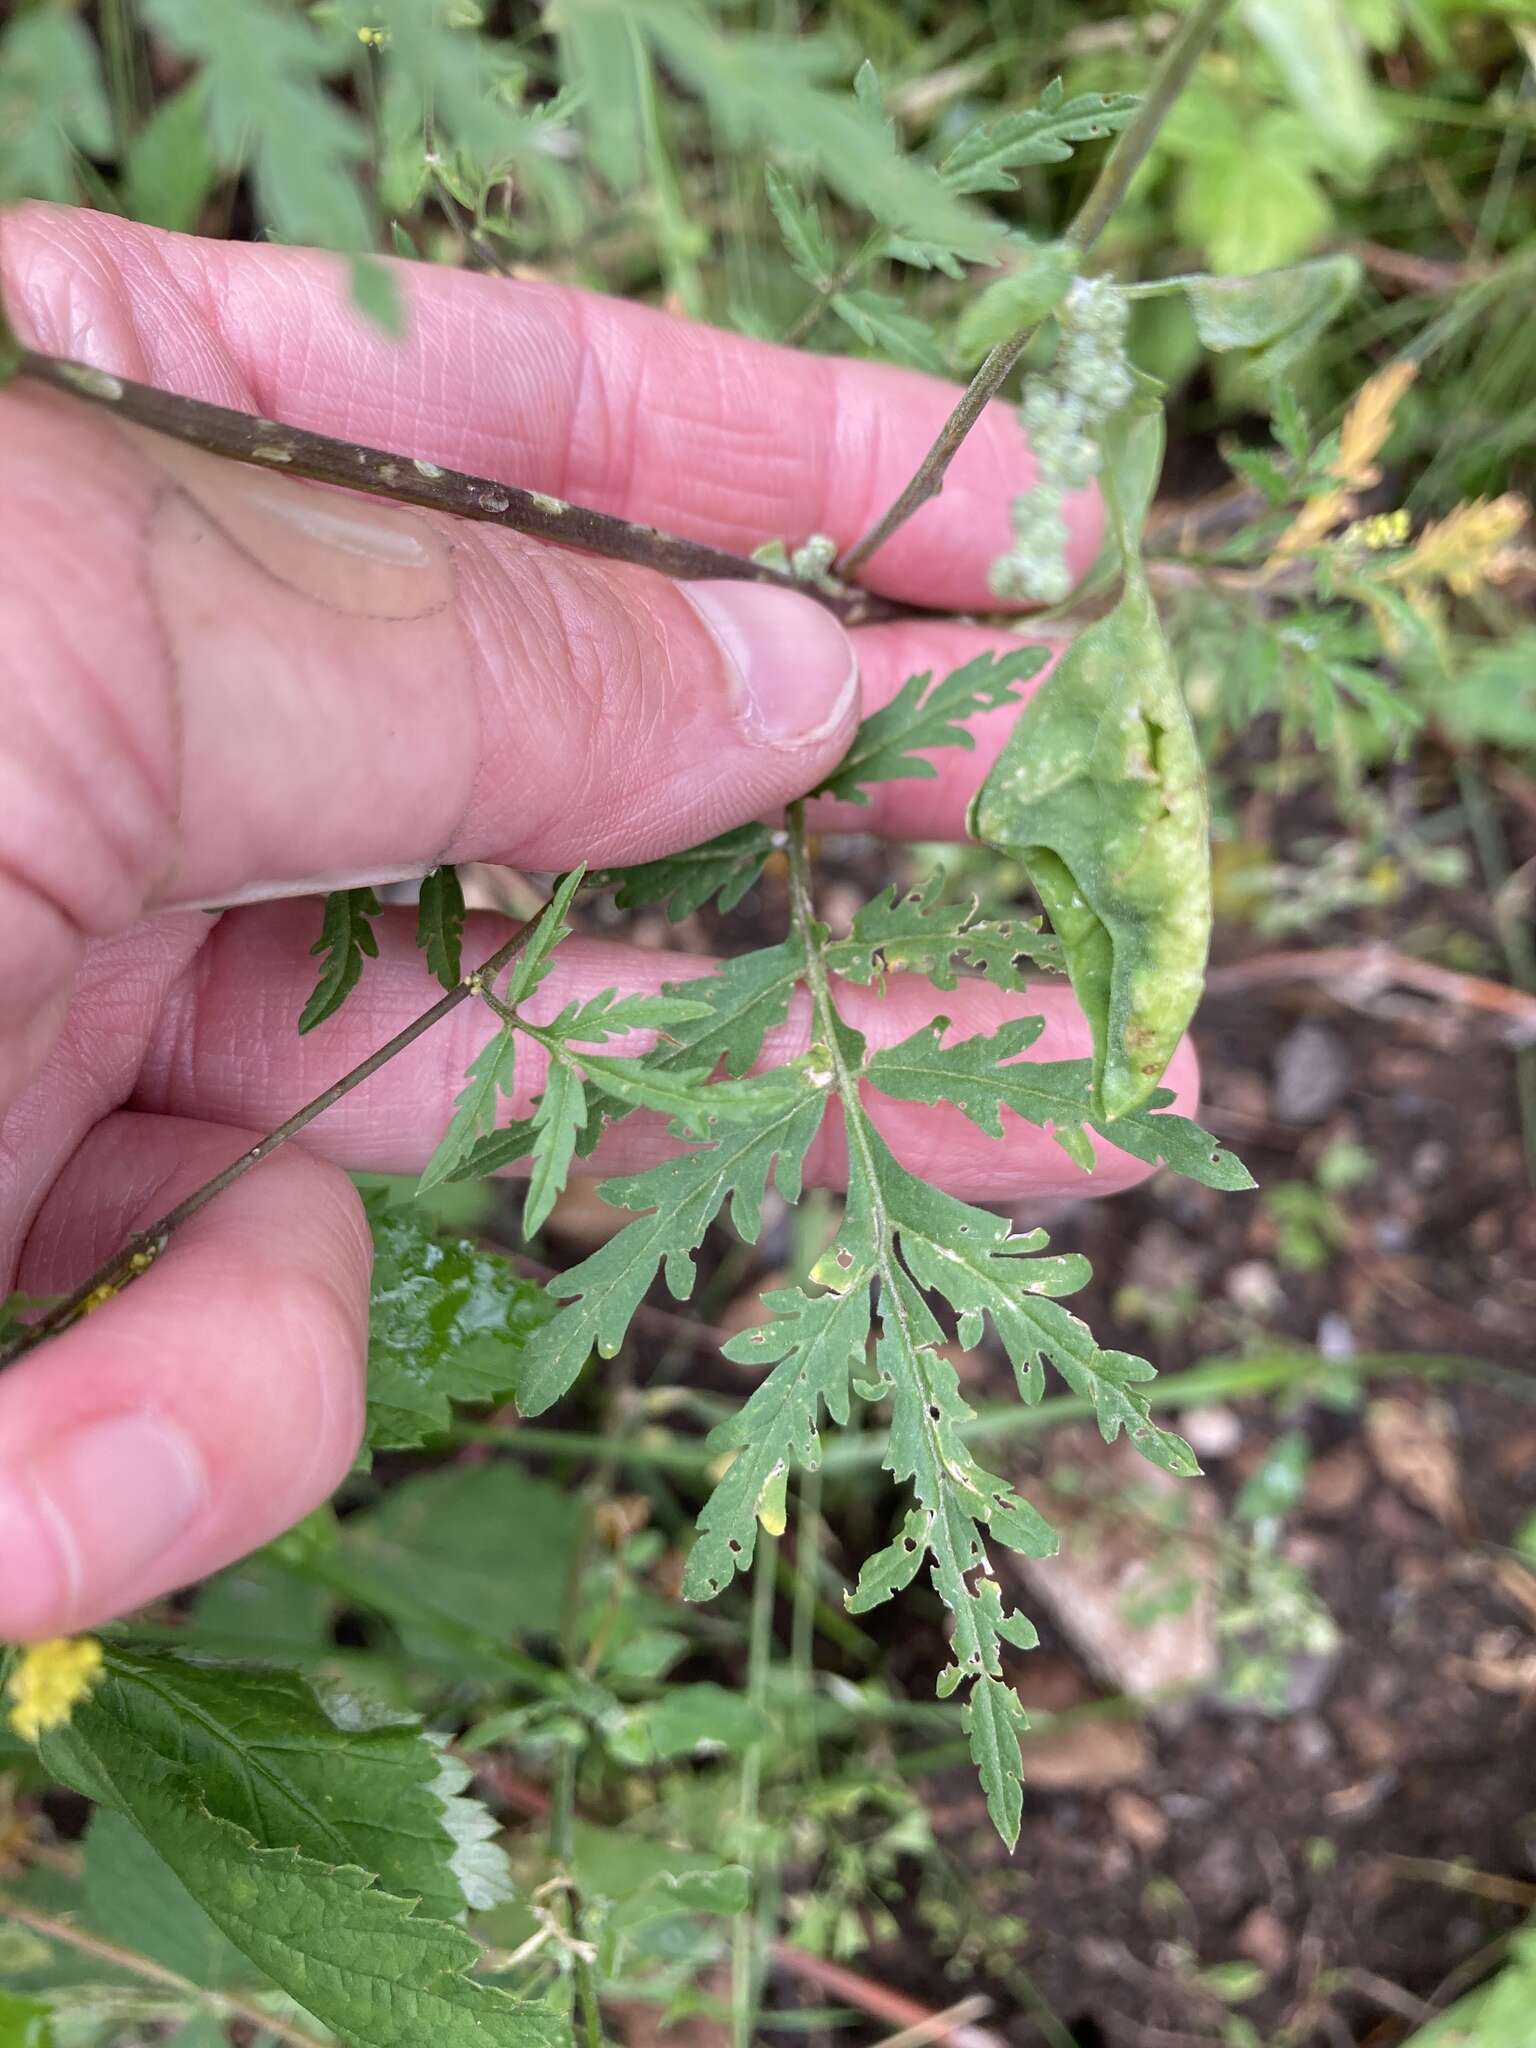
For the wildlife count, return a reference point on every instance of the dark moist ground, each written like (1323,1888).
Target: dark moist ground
(1235,1836)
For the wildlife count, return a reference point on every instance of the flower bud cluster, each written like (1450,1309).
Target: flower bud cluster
(1061,414)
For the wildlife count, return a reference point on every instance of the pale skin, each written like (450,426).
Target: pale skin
(221,686)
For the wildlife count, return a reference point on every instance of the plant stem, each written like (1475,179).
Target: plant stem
(1173,72)
(141,1250)
(222,2004)
(296,452)
(562,1844)
(747,1947)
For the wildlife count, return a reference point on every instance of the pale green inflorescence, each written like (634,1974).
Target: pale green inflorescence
(1061,414)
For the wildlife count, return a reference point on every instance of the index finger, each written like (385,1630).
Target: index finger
(710,435)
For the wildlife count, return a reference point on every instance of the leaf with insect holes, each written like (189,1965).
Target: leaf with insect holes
(889,745)
(1043,134)
(447,1322)
(985,1075)
(346,936)
(440,924)
(917,932)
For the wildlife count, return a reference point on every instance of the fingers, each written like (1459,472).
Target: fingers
(248,686)
(203,1410)
(706,434)
(225,1050)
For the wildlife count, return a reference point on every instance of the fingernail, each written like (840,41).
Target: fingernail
(83,1531)
(797,669)
(349,554)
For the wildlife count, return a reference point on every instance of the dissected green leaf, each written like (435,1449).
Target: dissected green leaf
(766,89)
(491,1074)
(168,169)
(890,743)
(440,924)
(800,224)
(1043,134)
(532,964)
(916,932)
(447,1322)
(53,106)
(1055,1094)
(683,1196)
(346,935)
(262,72)
(725,867)
(1100,793)
(882,322)
(994,1721)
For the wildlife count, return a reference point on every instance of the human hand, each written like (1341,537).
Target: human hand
(221,686)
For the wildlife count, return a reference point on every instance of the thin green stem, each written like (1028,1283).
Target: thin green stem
(141,1250)
(1173,73)
(747,1947)
(562,1849)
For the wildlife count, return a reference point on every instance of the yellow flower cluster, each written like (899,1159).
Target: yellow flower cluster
(1362,436)
(49,1680)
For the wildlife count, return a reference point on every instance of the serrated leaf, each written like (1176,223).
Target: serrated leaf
(725,867)
(491,1074)
(766,89)
(53,106)
(558,1116)
(1043,134)
(882,322)
(342,1781)
(262,72)
(533,962)
(746,998)
(994,1720)
(683,1196)
(1056,1094)
(916,932)
(447,1322)
(814,1343)
(800,225)
(890,1571)
(133,1897)
(168,171)
(1100,793)
(346,937)
(889,745)
(440,924)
